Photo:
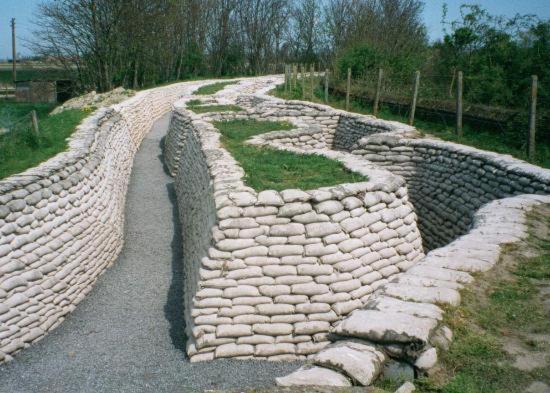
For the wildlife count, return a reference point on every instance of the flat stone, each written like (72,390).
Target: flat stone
(386,327)
(391,304)
(361,362)
(313,376)
(423,294)
(440,273)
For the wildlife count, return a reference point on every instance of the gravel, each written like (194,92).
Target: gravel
(127,335)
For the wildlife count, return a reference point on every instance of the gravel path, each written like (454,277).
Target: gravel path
(126,336)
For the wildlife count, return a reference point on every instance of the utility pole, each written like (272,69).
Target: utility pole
(13,51)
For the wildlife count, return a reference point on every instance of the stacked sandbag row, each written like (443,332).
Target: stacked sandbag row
(268,273)
(448,182)
(175,141)
(315,123)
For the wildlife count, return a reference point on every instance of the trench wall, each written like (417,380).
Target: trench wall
(61,223)
(448,182)
(273,271)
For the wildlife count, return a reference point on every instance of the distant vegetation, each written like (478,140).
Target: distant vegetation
(139,44)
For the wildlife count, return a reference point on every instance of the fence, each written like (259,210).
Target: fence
(453,100)
(11,125)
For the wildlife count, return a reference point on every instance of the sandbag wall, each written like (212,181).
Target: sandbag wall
(352,127)
(448,182)
(268,273)
(61,223)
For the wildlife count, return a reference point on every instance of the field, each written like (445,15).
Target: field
(32,70)
(270,169)
(20,147)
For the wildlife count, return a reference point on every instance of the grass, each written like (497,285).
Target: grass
(21,148)
(485,140)
(503,307)
(213,108)
(213,88)
(270,169)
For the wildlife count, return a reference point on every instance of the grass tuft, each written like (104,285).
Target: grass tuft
(270,169)
(213,88)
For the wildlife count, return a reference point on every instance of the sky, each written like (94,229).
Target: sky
(24,11)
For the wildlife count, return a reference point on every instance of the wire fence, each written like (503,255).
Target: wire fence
(15,126)
(484,108)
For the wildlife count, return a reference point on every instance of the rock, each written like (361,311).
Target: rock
(407,387)
(361,362)
(427,359)
(395,371)
(423,294)
(387,326)
(386,303)
(313,376)
(538,387)
(442,338)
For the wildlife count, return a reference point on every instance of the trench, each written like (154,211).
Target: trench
(127,335)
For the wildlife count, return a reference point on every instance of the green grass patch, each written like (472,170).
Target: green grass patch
(214,108)
(485,140)
(213,88)
(270,169)
(194,102)
(21,148)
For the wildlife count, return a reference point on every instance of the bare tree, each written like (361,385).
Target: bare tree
(306,30)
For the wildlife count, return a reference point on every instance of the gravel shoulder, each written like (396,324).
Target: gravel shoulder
(127,335)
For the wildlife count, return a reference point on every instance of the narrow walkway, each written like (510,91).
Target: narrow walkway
(127,335)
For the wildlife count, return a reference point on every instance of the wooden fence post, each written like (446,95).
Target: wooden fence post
(312,80)
(34,120)
(348,88)
(286,79)
(414,98)
(533,117)
(378,90)
(304,81)
(459,90)
(326,85)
